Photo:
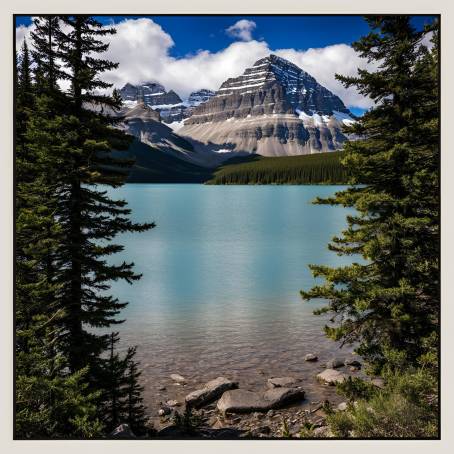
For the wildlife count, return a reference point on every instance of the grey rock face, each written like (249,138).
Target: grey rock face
(260,112)
(243,401)
(211,391)
(200,96)
(154,95)
(144,123)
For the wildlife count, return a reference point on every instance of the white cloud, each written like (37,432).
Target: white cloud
(142,49)
(23,32)
(242,29)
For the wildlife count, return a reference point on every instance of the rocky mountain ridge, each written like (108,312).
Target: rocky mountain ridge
(168,103)
(275,109)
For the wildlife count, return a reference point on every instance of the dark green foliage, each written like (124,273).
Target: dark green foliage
(90,219)
(389,304)
(64,229)
(135,410)
(307,169)
(406,408)
(187,422)
(45,52)
(50,402)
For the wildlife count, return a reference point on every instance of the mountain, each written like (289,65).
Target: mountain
(153,165)
(142,122)
(274,109)
(170,106)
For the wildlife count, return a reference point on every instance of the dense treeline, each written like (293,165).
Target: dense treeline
(70,380)
(389,305)
(320,168)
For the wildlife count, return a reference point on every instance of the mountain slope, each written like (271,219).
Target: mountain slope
(273,109)
(144,123)
(155,166)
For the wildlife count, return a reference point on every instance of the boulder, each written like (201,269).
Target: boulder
(352,362)
(342,406)
(243,401)
(378,382)
(331,376)
(282,382)
(173,403)
(122,431)
(310,357)
(210,392)
(178,378)
(334,363)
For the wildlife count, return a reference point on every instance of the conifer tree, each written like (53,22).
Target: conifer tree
(89,217)
(45,51)
(135,410)
(389,303)
(50,402)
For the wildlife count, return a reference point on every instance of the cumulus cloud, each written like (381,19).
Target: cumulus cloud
(142,49)
(242,29)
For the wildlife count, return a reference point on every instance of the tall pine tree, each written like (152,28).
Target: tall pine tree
(89,217)
(64,226)
(390,303)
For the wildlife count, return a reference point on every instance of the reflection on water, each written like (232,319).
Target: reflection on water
(221,278)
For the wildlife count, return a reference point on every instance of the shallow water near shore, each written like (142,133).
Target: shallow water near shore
(222,273)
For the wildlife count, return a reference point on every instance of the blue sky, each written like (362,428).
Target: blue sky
(192,33)
(187,53)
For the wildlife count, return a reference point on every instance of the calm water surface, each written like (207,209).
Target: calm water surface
(222,273)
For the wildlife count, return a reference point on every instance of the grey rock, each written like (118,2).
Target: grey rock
(310,357)
(243,401)
(334,363)
(352,362)
(378,382)
(331,377)
(210,392)
(122,431)
(178,378)
(342,406)
(282,382)
(173,403)
(162,388)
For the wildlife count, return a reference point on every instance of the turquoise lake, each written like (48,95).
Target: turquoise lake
(222,271)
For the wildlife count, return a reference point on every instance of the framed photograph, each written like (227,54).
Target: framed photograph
(226,226)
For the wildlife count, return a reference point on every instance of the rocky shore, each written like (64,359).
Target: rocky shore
(222,408)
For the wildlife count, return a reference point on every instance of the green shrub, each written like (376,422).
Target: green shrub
(406,408)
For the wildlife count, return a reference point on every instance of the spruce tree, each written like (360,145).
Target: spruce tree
(135,409)
(50,402)
(90,218)
(389,303)
(45,51)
